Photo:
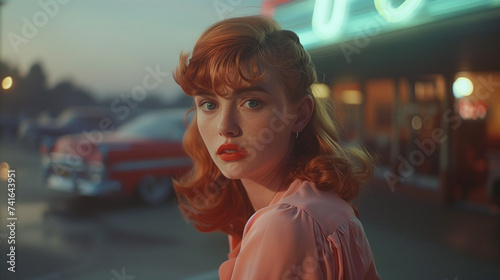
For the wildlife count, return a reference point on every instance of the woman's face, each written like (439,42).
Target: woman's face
(248,133)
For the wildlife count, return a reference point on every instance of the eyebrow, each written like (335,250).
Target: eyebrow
(251,88)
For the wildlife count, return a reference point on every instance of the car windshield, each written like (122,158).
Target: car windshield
(158,126)
(65,117)
(73,117)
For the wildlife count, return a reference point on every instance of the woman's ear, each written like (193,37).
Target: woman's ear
(305,110)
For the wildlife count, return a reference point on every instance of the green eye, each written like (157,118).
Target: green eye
(208,106)
(253,103)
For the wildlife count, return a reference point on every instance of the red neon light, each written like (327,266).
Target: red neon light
(472,110)
(269,6)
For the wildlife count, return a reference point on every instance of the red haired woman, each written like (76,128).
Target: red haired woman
(268,168)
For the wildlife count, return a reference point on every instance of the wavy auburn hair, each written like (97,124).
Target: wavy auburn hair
(241,51)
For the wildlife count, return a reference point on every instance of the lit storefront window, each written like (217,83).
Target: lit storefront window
(352,97)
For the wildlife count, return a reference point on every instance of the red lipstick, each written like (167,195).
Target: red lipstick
(231,152)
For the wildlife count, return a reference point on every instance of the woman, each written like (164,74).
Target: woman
(268,169)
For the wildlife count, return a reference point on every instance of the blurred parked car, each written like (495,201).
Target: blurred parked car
(139,158)
(9,124)
(70,121)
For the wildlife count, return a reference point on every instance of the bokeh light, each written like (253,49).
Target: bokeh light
(462,87)
(320,91)
(416,123)
(7,82)
(4,171)
(352,97)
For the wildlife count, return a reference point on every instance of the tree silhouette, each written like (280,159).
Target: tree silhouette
(33,90)
(30,95)
(64,95)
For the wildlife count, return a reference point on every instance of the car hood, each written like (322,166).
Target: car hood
(51,128)
(87,143)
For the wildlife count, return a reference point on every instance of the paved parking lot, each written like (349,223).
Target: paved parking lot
(62,237)
(413,238)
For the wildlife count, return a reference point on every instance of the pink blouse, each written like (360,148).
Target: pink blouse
(304,233)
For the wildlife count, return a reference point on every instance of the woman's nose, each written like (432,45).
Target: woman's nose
(228,126)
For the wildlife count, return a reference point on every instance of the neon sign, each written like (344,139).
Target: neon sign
(391,14)
(326,26)
(472,110)
(326,22)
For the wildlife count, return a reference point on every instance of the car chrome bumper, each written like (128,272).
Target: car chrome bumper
(81,186)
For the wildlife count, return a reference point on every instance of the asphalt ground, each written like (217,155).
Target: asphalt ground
(63,237)
(417,237)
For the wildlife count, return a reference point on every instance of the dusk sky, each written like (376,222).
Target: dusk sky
(106,46)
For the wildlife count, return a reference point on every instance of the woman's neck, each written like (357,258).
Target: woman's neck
(261,192)
(262,189)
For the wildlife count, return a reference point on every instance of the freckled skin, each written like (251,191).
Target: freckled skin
(261,120)
(246,118)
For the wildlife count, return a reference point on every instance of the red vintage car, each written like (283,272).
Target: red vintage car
(139,158)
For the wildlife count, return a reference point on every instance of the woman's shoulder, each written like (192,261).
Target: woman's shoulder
(303,204)
(310,222)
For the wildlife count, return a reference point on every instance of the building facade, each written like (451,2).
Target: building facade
(417,82)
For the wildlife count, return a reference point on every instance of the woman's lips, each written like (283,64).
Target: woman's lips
(231,152)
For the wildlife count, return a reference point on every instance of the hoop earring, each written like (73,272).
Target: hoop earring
(296,136)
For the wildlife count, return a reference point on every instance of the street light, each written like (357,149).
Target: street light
(7,83)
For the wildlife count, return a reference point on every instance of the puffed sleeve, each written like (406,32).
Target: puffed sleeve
(282,243)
